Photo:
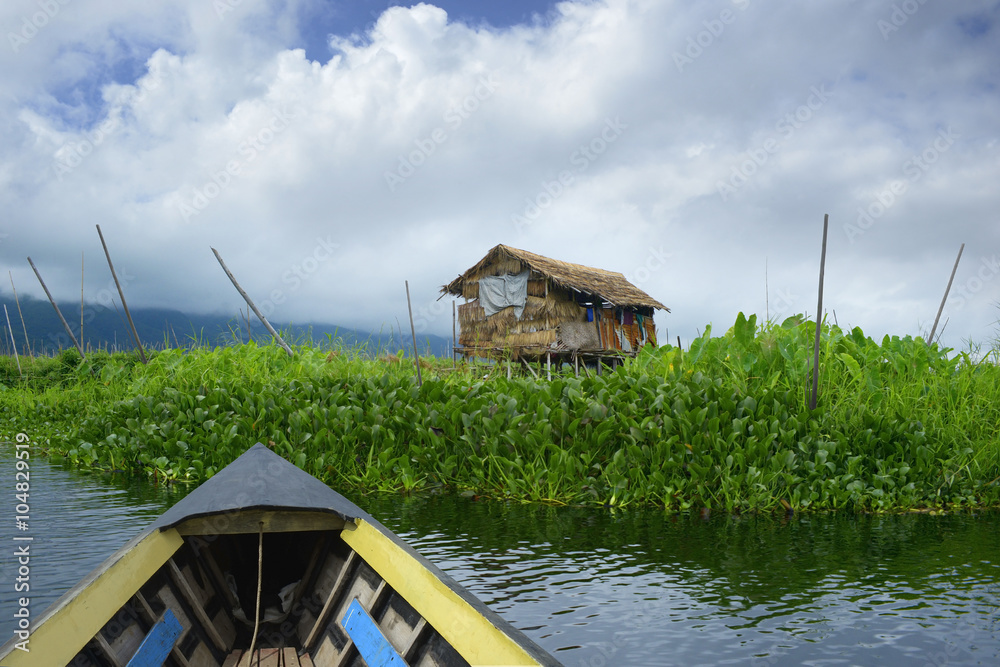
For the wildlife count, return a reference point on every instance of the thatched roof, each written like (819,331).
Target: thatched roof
(611,287)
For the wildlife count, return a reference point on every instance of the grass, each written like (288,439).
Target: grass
(724,424)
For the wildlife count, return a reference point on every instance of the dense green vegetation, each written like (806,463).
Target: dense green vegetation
(724,424)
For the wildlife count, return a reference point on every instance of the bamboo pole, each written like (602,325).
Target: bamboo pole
(267,325)
(454,336)
(81,296)
(120,317)
(121,294)
(247,319)
(930,337)
(12,342)
(413,335)
(58,312)
(943,327)
(27,341)
(819,316)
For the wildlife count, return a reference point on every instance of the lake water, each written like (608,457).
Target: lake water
(597,587)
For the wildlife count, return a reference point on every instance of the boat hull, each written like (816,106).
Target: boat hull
(308,551)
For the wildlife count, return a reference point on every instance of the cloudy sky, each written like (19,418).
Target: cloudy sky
(331,150)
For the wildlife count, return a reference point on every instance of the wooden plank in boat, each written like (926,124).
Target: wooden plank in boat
(374,648)
(203,553)
(266,657)
(107,650)
(151,618)
(192,598)
(327,653)
(248,521)
(411,641)
(158,643)
(263,657)
(342,578)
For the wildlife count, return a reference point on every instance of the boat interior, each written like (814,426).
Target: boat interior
(308,581)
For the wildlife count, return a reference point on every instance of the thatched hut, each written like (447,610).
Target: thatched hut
(519,304)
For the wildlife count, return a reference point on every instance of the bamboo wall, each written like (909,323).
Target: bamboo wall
(537,331)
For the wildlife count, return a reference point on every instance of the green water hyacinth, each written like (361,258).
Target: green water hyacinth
(724,424)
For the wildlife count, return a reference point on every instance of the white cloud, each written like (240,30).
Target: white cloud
(231,137)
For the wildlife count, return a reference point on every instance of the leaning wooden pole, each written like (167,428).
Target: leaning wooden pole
(454,336)
(81,297)
(27,341)
(128,315)
(413,334)
(930,338)
(58,312)
(819,316)
(253,306)
(12,341)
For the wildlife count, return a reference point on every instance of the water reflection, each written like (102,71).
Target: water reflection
(644,588)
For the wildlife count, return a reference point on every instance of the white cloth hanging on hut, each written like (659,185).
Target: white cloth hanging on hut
(499,292)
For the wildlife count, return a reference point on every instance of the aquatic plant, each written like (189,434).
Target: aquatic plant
(723,424)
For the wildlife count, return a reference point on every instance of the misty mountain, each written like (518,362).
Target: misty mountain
(105,327)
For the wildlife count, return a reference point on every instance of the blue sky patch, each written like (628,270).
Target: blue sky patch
(346,18)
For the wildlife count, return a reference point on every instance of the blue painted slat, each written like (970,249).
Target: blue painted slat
(366,635)
(157,645)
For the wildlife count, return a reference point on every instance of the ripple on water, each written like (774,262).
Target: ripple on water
(639,588)
(828,590)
